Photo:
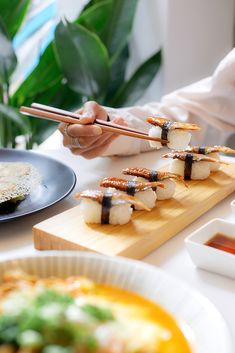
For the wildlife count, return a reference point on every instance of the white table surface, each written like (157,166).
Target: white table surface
(172,257)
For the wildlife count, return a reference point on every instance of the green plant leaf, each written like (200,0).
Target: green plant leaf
(90,4)
(118,70)
(13,13)
(95,18)
(83,58)
(44,85)
(15,117)
(46,75)
(8,58)
(61,96)
(41,130)
(117,31)
(12,124)
(133,89)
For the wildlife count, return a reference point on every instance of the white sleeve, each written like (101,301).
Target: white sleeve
(209,103)
(135,118)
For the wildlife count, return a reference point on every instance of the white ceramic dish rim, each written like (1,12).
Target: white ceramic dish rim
(225,334)
(232,204)
(192,238)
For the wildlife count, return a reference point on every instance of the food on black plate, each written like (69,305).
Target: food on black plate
(17,180)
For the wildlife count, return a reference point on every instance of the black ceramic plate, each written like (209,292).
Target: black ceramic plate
(58,181)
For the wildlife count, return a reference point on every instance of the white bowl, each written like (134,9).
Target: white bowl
(185,304)
(209,258)
(232,204)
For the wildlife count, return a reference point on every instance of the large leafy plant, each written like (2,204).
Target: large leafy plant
(87,60)
(11,123)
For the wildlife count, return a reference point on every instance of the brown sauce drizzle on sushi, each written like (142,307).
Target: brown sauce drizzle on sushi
(128,186)
(106,206)
(160,121)
(165,129)
(152,175)
(222,242)
(209,149)
(188,166)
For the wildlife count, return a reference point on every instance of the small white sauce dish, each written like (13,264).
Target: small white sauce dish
(232,204)
(207,257)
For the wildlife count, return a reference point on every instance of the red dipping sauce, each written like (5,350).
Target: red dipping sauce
(222,242)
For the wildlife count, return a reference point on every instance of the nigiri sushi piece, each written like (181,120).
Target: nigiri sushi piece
(211,151)
(191,165)
(175,133)
(142,190)
(108,207)
(167,178)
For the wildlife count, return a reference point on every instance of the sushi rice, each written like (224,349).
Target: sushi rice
(162,193)
(213,165)
(148,197)
(178,139)
(119,214)
(168,191)
(200,170)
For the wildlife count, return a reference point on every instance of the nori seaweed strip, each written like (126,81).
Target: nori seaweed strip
(9,206)
(130,190)
(188,166)
(202,150)
(106,206)
(153,175)
(165,129)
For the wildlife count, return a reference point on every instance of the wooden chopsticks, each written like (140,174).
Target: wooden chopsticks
(77,116)
(51,113)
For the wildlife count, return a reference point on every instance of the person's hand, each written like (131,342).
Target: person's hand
(88,140)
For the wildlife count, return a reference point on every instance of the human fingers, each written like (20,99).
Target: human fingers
(96,143)
(76,130)
(94,152)
(101,141)
(82,148)
(83,139)
(62,128)
(102,145)
(74,135)
(100,150)
(84,142)
(96,109)
(91,111)
(86,135)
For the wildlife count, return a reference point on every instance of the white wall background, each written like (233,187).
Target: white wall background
(198,34)
(70,8)
(194,34)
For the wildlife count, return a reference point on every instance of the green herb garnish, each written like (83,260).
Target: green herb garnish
(44,324)
(98,313)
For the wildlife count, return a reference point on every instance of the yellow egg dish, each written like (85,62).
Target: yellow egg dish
(76,315)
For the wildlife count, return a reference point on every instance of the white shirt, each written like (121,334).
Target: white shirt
(210,103)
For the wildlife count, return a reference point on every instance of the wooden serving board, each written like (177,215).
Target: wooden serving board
(147,230)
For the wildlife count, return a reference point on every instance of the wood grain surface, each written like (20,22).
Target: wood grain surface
(146,231)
